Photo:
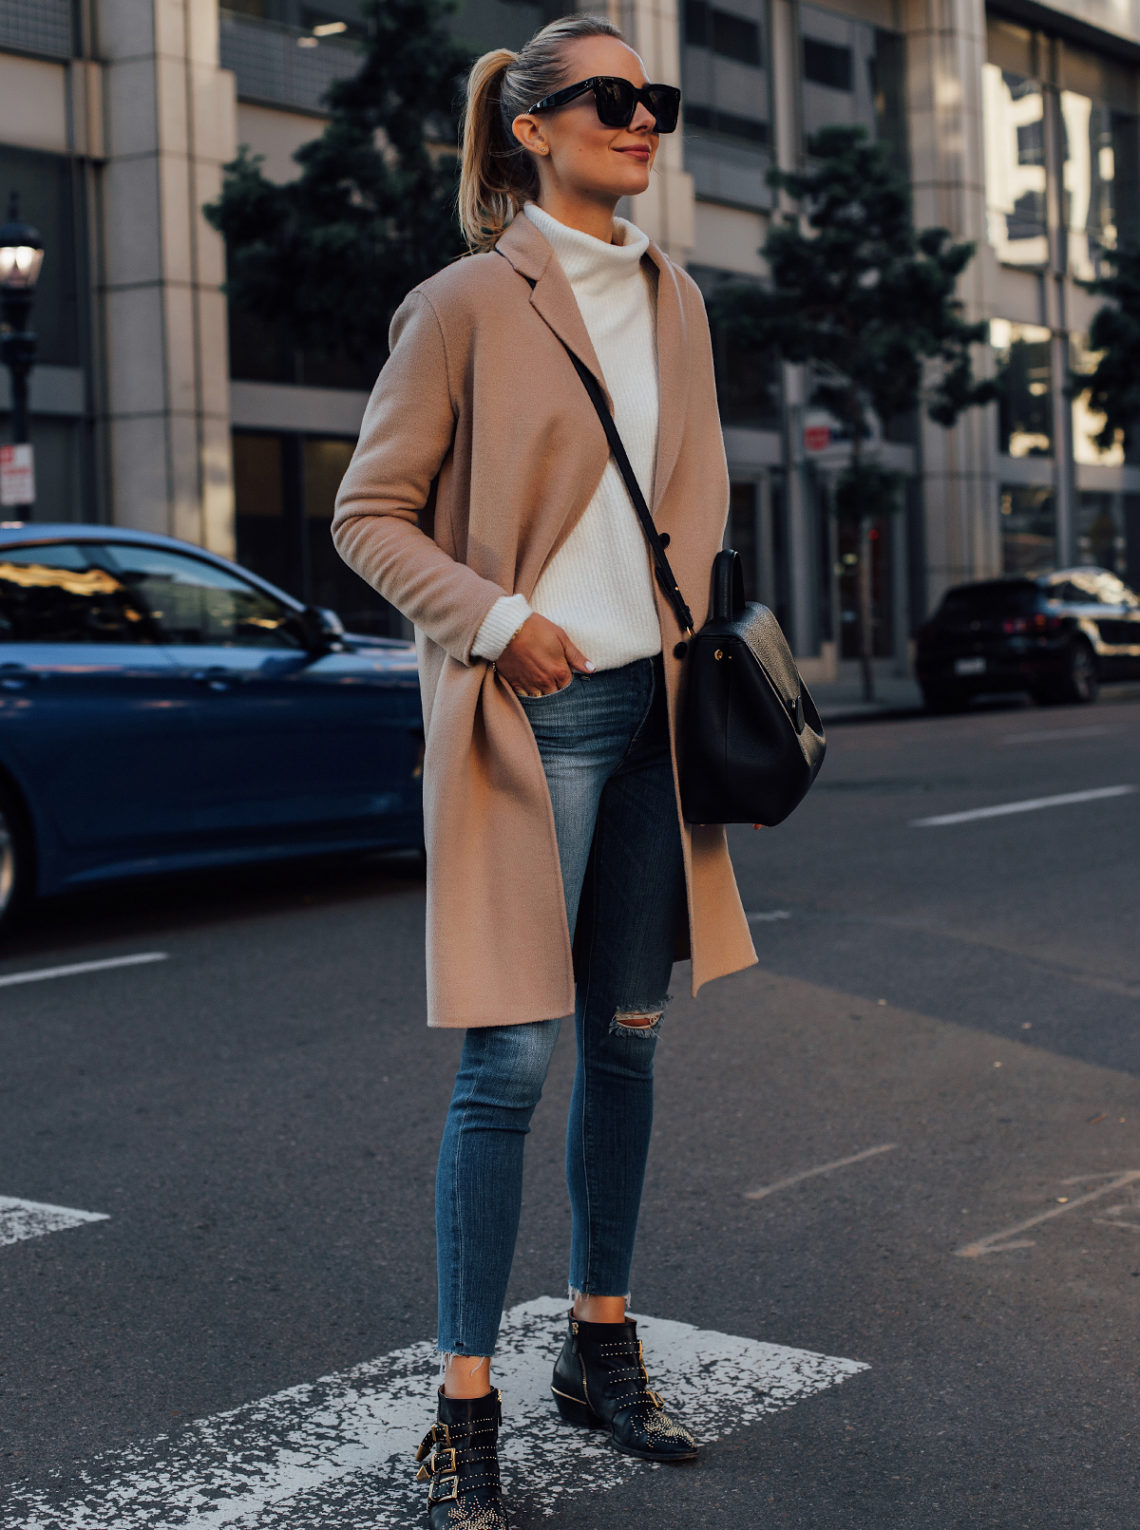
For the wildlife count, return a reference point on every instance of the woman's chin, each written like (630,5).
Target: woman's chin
(632,183)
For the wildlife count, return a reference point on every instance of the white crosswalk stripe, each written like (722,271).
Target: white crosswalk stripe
(338,1451)
(32,1219)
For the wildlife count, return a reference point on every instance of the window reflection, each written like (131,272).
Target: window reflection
(1088,422)
(1014,109)
(1028,528)
(193,602)
(1100,169)
(1100,531)
(1024,375)
(60,594)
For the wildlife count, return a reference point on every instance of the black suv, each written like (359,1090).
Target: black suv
(1056,635)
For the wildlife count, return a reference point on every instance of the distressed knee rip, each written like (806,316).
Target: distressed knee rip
(645,1019)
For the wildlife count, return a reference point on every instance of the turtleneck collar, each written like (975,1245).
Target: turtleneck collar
(590,264)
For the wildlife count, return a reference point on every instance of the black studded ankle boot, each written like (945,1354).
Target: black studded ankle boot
(461,1461)
(600,1382)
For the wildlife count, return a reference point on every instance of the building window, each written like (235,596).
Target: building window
(265,352)
(1028,528)
(727,103)
(828,65)
(1099,134)
(728,124)
(284,488)
(46,201)
(748,379)
(1088,422)
(723,32)
(1099,531)
(1015,167)
(1024,374)
(853,72)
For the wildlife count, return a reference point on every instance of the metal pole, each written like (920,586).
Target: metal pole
(18,352)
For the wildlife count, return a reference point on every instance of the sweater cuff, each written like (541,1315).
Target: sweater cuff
(499,626)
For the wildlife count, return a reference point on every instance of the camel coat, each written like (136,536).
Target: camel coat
(478,451)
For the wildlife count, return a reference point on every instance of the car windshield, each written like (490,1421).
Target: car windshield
(993,598)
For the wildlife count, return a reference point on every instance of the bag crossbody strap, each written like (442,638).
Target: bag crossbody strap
(661,568)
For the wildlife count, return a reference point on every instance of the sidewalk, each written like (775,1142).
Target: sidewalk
(842,700)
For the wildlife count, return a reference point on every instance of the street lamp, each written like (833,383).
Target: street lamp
(21,256)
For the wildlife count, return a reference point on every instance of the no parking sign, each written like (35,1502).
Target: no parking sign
(17,475)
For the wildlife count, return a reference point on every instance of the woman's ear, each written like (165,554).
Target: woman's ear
(529,132)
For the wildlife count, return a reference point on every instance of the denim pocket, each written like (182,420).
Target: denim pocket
(530,701)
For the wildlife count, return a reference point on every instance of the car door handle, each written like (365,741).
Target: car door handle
(216,678)
(14,677)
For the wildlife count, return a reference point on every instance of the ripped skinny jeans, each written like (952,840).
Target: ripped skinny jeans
(604,746)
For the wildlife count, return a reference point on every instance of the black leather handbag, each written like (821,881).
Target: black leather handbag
(751,740)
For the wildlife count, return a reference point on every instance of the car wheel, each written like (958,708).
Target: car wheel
(943,699)
(1079,681)
(15,857)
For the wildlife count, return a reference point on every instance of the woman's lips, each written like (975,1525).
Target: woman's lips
(642,154)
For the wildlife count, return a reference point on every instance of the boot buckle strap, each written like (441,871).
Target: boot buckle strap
(439,1457)
(436,1492)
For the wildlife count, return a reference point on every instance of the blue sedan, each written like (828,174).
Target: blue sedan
(162,709)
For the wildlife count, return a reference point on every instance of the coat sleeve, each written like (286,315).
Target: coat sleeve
(405,436)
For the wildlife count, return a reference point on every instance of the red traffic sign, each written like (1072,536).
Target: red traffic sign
(817,437)
(17,476)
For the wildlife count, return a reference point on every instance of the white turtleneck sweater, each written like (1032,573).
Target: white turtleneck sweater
(599,584)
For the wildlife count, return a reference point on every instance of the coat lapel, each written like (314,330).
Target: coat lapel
(672,372)
(551,296)
(553,299)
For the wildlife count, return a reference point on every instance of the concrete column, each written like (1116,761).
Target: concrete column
(170,116)
(665,210)
(946,48)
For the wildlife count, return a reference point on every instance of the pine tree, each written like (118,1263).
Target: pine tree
(867,303)
(331,254)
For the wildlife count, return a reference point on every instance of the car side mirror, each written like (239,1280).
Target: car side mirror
(322,627)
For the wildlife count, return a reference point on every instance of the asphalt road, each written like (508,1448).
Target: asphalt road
(256,1118)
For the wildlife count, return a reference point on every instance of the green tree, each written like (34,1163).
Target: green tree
(1114,384)
(331,254)
(867,302)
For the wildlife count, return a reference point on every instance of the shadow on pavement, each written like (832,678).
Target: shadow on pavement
(148,905)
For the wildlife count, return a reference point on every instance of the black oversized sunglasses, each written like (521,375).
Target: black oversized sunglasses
(616,101)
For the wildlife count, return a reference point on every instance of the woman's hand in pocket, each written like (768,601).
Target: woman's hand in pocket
(540,658)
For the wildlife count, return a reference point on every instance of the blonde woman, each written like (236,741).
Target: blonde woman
(561,878)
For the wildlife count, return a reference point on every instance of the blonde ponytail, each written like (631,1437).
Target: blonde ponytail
(497,175)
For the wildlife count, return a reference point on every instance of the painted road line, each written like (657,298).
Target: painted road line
(770,915)
(32,1219)
(823,1168)
(339,1451)
(1052,735)
(75,968)
(1001,1242)
(1032,805)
